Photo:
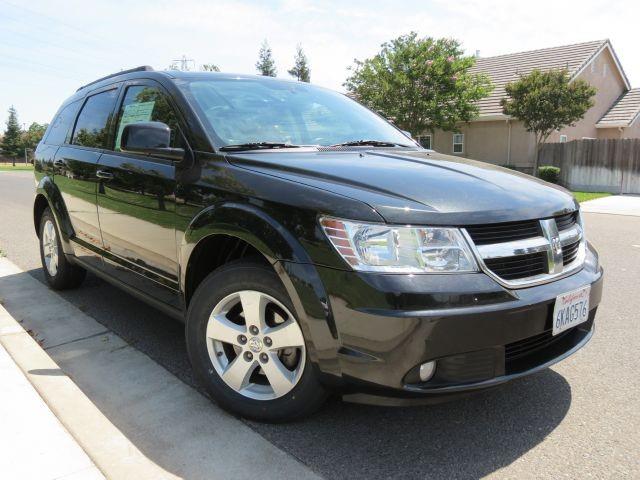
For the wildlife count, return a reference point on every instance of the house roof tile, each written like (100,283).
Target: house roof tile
(623,112)
(503,69)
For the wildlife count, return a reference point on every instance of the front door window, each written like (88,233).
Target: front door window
(147,104)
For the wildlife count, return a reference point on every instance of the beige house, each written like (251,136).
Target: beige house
(496,138)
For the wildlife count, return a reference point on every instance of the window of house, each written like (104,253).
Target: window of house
(92,126)
(563,139)
(458,142)
(425,141)
(147,104)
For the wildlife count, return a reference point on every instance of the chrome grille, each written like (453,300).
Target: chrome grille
(504,232)
(518,266)
(570,252)
(521,254)
(564,222)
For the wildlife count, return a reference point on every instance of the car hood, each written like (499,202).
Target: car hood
(417,186)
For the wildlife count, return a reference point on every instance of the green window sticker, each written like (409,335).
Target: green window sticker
(132,113)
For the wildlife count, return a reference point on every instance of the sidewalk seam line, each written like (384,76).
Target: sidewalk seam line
(93,335)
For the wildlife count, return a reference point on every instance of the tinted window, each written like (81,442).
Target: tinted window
(147,104)
(92,126)
(61,125)
(249,110)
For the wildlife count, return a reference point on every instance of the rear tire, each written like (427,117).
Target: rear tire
(253,364)
(58,271)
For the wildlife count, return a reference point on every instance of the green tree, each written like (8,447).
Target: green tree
(547,101)
(32,136)
(209,67)
(300,68)
(11,140)
(421,84)
(266,65)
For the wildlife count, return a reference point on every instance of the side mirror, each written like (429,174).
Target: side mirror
(150,138)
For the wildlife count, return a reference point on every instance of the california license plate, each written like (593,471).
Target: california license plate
(571,309)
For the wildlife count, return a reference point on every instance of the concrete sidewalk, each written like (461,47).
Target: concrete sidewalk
(132,417)
(614,205)
(31,437)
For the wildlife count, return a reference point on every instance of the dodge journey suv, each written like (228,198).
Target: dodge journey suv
(308,245)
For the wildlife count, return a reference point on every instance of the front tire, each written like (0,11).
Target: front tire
(246,346)
(58,271)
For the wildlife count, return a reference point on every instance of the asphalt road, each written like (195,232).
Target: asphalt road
(580,419)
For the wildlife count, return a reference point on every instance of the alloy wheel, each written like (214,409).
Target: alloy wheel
(50,247)
(255,345)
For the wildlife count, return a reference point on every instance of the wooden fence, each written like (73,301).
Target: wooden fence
(596,165)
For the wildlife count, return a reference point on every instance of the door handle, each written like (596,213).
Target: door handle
(104,175)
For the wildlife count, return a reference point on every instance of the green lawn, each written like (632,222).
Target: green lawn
(584,196)
(7,167)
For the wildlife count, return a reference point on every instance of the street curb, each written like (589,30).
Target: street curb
(132,417)
(69,404)
(35,440)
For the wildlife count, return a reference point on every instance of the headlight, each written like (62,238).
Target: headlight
(387,248)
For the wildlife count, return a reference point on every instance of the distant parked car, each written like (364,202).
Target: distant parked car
(309,245)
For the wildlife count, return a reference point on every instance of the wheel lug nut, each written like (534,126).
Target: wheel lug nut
(264,358)
(254,330)
(242,339)
(248,356)
(267,341)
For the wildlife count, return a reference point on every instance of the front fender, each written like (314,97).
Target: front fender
(248,223)
(51,193)
(290,261)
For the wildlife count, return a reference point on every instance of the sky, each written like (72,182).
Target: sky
(49,49)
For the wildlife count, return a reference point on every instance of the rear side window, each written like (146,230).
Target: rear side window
(62,124)
(92,126)
(147,104)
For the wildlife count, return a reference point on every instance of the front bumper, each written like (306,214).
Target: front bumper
(479,333)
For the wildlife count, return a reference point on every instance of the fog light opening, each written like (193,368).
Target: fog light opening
(427,370)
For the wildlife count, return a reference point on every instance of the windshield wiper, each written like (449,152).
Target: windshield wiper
(372,143)
(257,146)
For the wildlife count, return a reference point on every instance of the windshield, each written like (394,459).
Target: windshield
(244,110)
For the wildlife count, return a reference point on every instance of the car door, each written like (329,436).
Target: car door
(75,167)
(136,199)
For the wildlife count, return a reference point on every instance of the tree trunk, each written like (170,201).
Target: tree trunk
(540,139)
(536,160)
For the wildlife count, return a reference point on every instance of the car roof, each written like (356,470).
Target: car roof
(149,73)
(221,75)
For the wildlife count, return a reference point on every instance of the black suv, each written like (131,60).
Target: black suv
(309,245)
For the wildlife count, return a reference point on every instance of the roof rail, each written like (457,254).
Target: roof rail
(144,68)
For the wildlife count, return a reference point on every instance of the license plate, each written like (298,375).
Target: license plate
(571,309)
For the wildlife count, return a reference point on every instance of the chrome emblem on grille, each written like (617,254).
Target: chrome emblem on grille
(554,253)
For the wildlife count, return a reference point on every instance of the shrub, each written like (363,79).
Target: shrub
(549,174)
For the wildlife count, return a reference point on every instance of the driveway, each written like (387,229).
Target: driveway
(614,205)
(580,419)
